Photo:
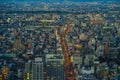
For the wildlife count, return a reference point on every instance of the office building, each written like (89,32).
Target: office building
(54,67)
(37,69)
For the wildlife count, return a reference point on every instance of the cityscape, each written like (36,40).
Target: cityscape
(59,40)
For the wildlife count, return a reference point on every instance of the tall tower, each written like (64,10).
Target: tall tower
(37,69)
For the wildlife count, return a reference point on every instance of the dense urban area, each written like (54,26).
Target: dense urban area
(59,41)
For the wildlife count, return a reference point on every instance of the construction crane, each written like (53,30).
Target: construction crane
(69,70)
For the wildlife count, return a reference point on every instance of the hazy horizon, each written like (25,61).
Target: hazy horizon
(59,0)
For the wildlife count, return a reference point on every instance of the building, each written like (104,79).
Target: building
(17,45)
(28,67)
(28,70)
(5,70)
(54,67)
(37,69)
(1,77)
(77,59)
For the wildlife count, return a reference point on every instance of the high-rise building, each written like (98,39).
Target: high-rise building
(28,70)
(37,69)
(54,67)
(27,67)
